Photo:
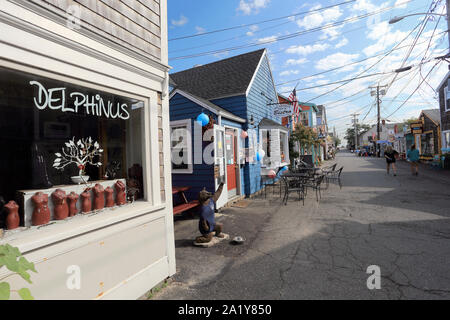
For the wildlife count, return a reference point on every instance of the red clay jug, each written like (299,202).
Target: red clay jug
(72,200)
(109,195)
(12,218)
(86,203)
(41,212)
(99,197)
(60,209)
(120,196)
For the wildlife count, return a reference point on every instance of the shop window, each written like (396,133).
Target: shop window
(284,147)
(181,146)
(40,117)
(304,119)
(427,144)
(274,143)
(446,140)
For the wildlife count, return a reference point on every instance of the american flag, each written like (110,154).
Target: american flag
(293,99)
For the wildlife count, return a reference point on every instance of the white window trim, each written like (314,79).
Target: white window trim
(286,151)
(35,237)
(446,107)
(444,139)
(187,124)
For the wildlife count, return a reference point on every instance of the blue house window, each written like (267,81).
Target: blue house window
(181,146)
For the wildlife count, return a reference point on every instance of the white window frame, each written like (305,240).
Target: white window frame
(286,149)
(444,139)
(446,106)
(35,238)
(186,123)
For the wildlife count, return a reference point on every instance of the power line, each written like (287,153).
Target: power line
(367,69)
(437,63)
(349,64)
(296,34)
(260,22)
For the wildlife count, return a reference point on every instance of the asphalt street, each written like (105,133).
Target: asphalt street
(323,250)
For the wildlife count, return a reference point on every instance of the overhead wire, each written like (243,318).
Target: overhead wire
(296,34)
(261,22)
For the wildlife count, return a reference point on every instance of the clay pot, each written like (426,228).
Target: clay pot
(61,209)
(86,203)
(120,193)
(12,218)
(41,212)
(72,200)
(109,195)
(99,197)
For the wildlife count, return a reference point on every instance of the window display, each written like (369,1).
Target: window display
(48,125)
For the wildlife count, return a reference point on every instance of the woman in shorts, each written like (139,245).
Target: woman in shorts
(390,154)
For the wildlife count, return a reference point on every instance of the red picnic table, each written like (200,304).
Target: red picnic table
(186,205)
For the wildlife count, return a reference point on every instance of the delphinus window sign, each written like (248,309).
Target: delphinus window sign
(55,99)
(48,125)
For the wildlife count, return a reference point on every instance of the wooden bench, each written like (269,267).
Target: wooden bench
(186,205)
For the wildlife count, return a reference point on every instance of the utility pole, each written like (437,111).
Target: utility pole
(377,93)
(355,122)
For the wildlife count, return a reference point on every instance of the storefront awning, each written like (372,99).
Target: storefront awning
(266,123)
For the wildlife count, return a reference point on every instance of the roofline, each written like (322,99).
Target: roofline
(443,81)
(432,120)
(227,115)
(271,76)
(254,73)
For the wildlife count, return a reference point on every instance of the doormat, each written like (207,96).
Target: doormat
(241,204)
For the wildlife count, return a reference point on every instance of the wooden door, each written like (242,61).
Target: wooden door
(230,149)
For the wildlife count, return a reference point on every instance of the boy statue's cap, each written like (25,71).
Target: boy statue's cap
(204,195)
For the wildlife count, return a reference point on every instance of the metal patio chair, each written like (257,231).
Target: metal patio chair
(315,184)
(293,185)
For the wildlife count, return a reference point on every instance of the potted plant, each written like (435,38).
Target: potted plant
(81,154)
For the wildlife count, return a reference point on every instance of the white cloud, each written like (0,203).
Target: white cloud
(253,29)
(336,60)
(181,22)
(308,49)
(316,19)
(331,33)
(296,61)
(288,73)
(200,29)
(341,43)
(267,39)
(252,6)
(401,4)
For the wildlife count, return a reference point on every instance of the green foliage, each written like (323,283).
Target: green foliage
(306,136)
(350,133)
(336,141)
(12,259)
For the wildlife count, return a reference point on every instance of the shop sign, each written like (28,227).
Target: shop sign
(55,99)
(416,128)
(282,110)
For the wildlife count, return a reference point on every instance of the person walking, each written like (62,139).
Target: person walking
(413,157)
(390,154)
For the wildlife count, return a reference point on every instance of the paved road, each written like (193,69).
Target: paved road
(322,250)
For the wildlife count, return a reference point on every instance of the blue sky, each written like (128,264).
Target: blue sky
(322,50)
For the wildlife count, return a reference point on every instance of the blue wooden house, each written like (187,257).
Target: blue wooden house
(238,95)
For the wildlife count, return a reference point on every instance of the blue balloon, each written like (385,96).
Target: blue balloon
(284,168)
(258,156)
(203,119)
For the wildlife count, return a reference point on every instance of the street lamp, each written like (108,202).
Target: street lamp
(397,19)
